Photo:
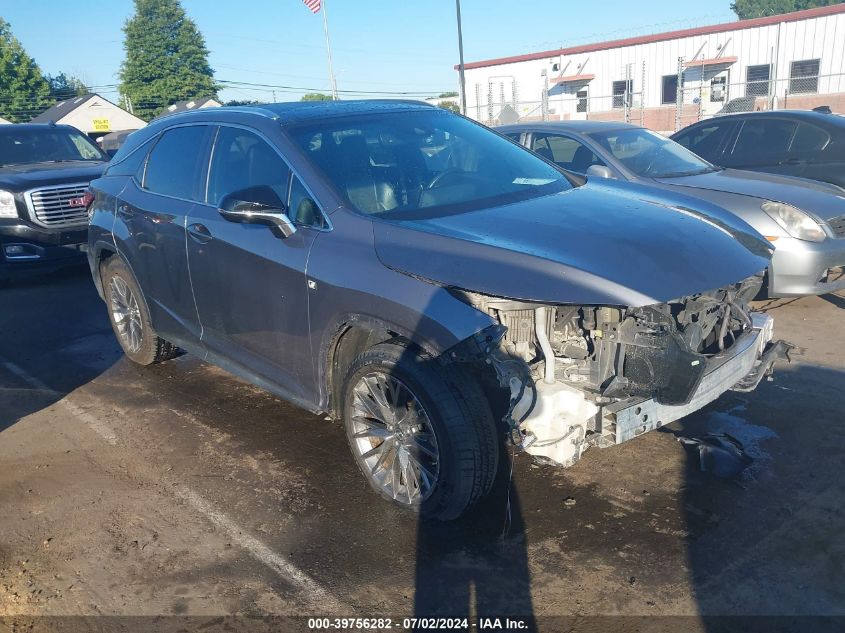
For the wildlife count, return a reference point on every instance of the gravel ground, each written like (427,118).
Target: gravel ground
(165,498)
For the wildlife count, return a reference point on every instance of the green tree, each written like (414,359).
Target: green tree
(451,105)
(446,95)
(316,96)
(241,102)
(166,58)
(64,86)
(746,9)
(24,92)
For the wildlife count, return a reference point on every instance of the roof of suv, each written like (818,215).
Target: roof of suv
(579,127)
(23,127)
(296,111)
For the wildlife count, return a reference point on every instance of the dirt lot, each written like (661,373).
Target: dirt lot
(181,491)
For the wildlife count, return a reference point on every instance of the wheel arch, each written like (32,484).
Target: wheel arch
(100,252)
(352,335)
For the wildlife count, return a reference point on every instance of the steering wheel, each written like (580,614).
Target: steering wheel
(437,181)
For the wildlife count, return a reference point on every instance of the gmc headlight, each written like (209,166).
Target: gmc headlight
(794,221)
(7,205)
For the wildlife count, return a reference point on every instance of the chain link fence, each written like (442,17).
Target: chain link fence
(693,95)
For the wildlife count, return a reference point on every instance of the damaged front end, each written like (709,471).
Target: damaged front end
(581,376)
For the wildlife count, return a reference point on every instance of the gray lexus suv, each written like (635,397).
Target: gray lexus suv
(435,286)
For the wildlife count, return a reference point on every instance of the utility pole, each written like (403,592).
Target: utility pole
(461,62)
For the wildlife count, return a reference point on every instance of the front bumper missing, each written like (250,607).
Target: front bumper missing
(741,367)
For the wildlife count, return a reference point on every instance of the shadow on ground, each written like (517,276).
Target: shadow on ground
(767,543)
(55,330)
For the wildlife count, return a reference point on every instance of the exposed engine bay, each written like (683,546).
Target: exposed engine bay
(599,375)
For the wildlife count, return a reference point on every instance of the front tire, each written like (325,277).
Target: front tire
(421,433)
(130,317)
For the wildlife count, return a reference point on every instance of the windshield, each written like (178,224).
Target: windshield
(22,146)
(423,163)
(651,155)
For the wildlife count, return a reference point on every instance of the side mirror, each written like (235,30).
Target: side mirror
(242,206)
(600,171)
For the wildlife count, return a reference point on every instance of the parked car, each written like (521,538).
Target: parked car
(803,143)
(44,176)
(409,271)
(805,220)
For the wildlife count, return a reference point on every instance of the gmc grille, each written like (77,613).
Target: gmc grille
(58,206)
(837,225)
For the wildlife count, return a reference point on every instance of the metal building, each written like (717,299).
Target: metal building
(668,80)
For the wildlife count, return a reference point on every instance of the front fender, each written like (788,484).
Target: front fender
(350,286)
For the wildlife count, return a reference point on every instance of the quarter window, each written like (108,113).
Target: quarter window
(804,76)
(172,167)
(132,165)
(244,162)
(809,138)
(303,210)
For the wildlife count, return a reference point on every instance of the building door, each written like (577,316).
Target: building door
(581,104)
(715,92)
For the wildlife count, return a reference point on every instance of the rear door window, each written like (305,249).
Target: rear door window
(173,166)
(763,141)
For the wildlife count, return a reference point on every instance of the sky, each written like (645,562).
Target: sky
(378,46)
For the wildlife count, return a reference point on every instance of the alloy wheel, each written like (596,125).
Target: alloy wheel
(393,437)
(126,314)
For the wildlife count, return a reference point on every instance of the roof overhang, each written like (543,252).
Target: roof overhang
(715,61)
(573,79)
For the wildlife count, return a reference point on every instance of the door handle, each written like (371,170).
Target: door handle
(793,161)
(199,233)
(124,211)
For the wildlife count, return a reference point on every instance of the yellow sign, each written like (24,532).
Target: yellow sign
(101,125)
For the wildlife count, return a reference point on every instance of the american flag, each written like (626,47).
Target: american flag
(313,5)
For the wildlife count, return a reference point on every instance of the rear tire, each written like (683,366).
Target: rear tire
(130,316)
(422,434)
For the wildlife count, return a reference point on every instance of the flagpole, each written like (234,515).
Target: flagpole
(329,51)
(461,56)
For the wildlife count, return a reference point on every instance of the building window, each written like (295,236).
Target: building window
(757,80)
(670,89)
(581,105)
(621,90)
(804,76)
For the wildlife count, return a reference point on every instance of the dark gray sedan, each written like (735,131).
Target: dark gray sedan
(789,142)
(805,220)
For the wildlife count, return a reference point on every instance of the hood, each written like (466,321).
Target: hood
(822,200)
(18,178)
(604,243)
